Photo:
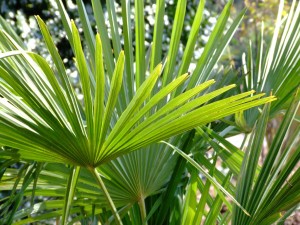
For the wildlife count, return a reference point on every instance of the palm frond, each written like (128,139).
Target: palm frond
(275,68)
(266,191)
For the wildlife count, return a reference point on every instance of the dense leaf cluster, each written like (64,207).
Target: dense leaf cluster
(141,137)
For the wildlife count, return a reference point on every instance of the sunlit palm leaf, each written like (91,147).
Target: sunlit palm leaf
(172,118)
(276,66)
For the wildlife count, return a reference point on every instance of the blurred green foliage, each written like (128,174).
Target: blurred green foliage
(20,13)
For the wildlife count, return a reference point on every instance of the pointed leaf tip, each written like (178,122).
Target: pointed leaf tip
(98,36)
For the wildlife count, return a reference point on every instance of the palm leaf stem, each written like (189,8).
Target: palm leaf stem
(142,207)
(100,182)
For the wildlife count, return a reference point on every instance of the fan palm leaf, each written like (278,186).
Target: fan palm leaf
(276,65)
(270,185)
(45,115)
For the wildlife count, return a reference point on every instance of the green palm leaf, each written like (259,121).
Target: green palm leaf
(41,116)
(267,189)
(172,118)
(276,66)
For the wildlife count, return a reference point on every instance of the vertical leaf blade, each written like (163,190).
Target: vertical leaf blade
(139,43)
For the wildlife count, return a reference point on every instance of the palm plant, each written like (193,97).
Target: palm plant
(275,67)
(101,158)
(260,188)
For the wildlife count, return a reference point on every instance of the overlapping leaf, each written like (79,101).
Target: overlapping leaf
(133,130)
(42,117)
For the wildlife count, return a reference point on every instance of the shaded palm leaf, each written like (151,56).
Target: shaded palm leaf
(263,196)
